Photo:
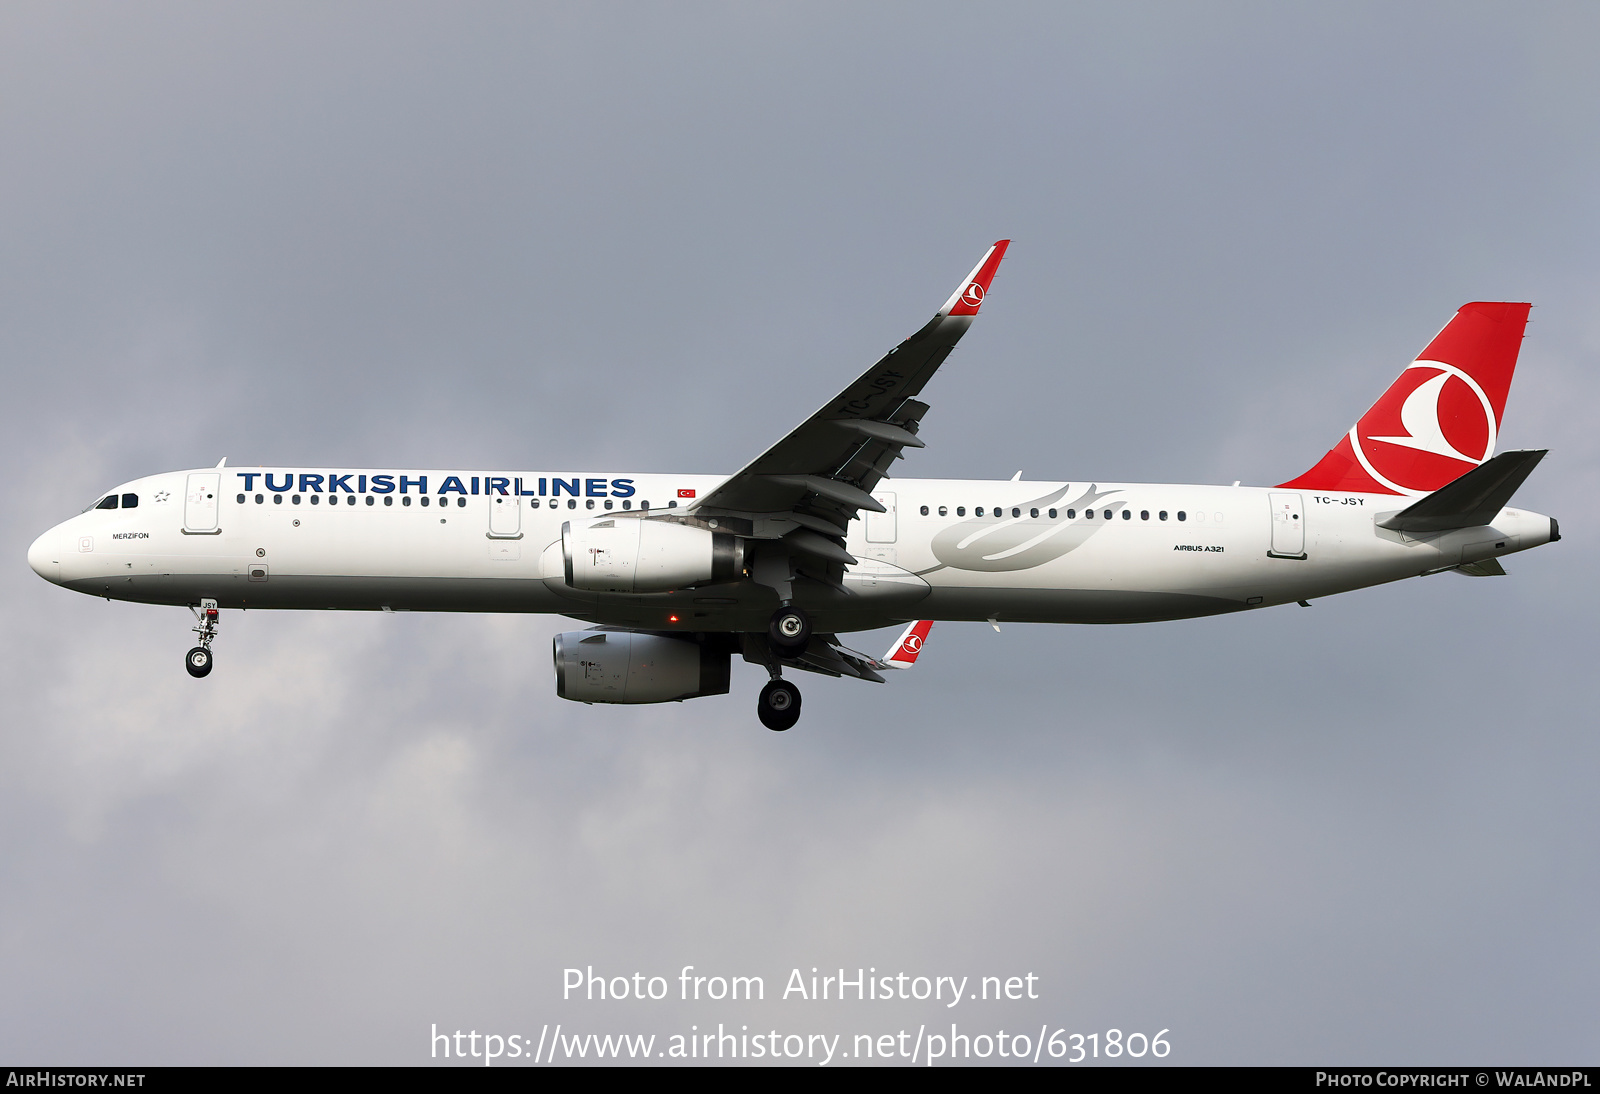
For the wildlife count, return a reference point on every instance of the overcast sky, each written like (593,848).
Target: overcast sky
(639,238)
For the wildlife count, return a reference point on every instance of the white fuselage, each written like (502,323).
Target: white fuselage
(465,541)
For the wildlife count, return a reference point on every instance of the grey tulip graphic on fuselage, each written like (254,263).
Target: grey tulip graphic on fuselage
(1021,543)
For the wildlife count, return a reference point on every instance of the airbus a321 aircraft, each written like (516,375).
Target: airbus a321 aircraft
(812,539)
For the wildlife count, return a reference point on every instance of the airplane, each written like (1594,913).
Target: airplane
(812,539)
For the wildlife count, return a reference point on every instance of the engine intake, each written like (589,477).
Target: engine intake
(647,556)
(629,667)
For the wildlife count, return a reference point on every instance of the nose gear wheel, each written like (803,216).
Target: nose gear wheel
(198,661)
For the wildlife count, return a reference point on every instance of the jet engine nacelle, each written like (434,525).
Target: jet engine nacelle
(646,556)
(628,667)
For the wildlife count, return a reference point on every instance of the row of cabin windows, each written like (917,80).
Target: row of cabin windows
(388,499)
(1071,514)
(129,501)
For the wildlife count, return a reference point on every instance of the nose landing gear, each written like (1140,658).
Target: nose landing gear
(198,660)
(779,705)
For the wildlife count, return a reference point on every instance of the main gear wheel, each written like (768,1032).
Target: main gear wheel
(779,705)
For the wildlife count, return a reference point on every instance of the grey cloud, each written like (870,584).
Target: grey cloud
(628,237)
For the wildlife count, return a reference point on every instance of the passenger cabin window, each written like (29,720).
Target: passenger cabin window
(461,503)
(260,499)
(627,505)
(1052,514)
(1016,512)
(1087,513)
(1072,514)
(1144,514)
(241,499)
(943,511)
(961,510)
(388,499)
(1034,513)
(1127,514)
(1107,513)
(672,505)
(277,499)
(1182,515)
(1162,514)
(108,502)
(403,501)
(424,501)
(978,512)
(924,510)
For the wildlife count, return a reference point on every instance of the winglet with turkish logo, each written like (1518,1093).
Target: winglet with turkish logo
(903,654)
(969,297)
(1440,419)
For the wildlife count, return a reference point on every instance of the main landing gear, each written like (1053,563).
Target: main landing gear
(779,705)
(787,636)
(198,660)
(789,630)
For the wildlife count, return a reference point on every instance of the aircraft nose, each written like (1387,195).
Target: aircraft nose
(44,556)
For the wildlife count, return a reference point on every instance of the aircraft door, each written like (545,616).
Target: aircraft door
(200,504)
(505,517)
(1288,526)
(881,526)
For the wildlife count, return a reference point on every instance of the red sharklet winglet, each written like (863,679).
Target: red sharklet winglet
(903,654)
(1440,419)
(967,299)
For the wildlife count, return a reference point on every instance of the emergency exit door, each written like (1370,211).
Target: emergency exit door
(505,517)
(880,526)
(200,504)
(1288,526)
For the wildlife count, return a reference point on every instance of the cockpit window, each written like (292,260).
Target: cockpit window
(130,501)
(108,502)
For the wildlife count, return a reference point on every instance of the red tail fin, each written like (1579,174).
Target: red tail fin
(1439,420)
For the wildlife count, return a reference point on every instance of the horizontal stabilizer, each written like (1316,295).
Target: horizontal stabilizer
(1473,499)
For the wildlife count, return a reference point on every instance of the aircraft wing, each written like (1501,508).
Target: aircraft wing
(823,473)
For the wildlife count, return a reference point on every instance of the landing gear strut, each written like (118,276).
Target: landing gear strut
(779,705)
(789,630)
(198,660)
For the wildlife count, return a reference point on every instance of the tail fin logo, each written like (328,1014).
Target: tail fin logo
(1416,438)
(972,296)
(912,644)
